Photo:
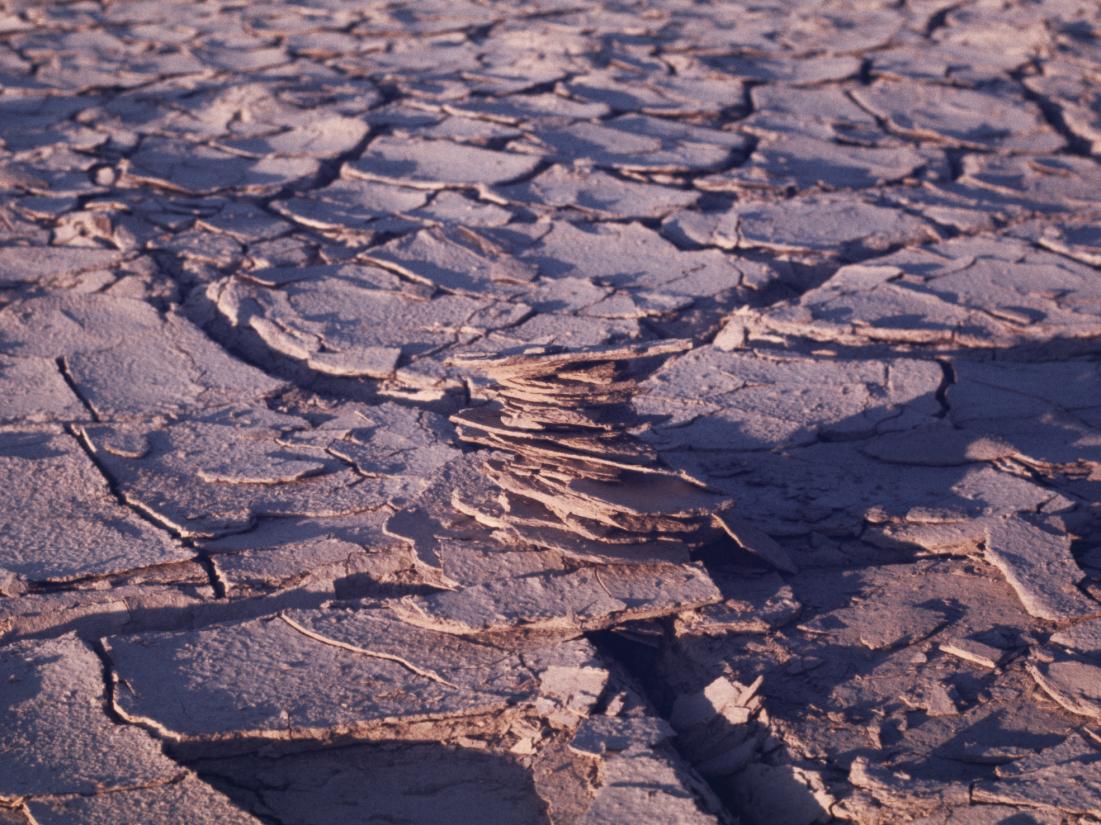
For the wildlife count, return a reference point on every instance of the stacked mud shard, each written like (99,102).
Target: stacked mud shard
(570,476)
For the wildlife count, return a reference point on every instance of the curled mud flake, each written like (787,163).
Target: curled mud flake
(571,477)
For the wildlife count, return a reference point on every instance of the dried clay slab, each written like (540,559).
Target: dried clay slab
(547,359)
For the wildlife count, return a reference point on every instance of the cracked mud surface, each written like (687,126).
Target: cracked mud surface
(272,550)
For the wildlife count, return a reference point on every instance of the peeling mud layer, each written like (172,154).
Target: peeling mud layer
(274,550)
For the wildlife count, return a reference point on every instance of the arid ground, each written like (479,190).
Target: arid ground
(471,411)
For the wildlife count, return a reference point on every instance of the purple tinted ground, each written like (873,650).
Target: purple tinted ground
(242,247)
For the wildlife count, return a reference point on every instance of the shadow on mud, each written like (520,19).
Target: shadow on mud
(414,783)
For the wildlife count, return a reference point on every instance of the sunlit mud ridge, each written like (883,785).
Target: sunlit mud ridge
(535,412)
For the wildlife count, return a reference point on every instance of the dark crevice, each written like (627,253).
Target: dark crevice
(864,74)
(142,512)
(217,584)
(948,378)
(238,793)
(67,377)
(641,662)
(116,491)
(109,684)
(330,168)
(954,158)
(1053,115)
(938,20)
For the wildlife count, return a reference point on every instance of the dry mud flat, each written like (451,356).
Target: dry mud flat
(284,538)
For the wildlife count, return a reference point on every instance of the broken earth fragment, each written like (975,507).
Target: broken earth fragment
(438,164)
(69,762)
(60,521)
(1036,561)
(570,476)
(159,805)
(237,686)
(591,598)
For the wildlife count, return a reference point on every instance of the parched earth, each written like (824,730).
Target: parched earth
(247,253)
